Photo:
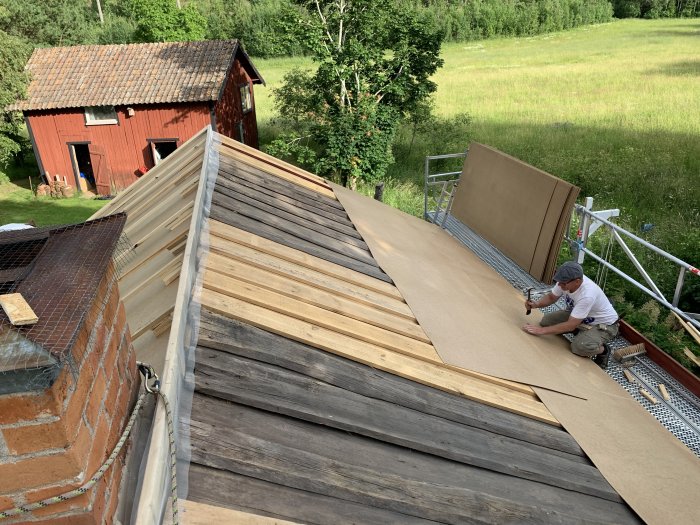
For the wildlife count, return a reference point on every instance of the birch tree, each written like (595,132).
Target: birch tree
(374,62)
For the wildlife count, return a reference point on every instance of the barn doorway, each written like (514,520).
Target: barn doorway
(82,167)
(161,148)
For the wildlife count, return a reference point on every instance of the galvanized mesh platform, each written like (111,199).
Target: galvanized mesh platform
(680,415)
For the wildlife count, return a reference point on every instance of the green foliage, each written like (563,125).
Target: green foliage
(50,22)
(162,21)
(14,53)
(374,67)
(262,25)
(655,8)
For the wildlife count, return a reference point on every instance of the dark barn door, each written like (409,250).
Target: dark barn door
(100,169)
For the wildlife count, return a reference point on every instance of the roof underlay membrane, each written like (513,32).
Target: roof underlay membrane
(341,376)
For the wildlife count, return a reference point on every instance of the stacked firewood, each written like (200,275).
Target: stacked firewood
(57,188)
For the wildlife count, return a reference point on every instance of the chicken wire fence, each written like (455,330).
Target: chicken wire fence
(63,273)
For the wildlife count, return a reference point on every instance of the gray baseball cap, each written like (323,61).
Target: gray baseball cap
(568,271)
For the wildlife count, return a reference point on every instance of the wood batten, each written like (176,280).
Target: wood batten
(334,273)
(343,314)
(159,209)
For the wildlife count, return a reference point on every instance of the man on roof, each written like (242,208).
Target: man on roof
(589,315)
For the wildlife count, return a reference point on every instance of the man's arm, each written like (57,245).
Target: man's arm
(562,328)
(543,302)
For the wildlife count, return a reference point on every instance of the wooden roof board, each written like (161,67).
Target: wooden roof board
(247,409)
(288,224)
(311,414)
(159,208)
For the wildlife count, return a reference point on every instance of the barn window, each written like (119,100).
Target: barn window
(96,115)
(246,98)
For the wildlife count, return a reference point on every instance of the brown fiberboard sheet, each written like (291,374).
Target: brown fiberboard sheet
(652,470)
(469,312)
(473,317)
(513,205)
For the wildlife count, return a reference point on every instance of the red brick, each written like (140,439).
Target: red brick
(6,503)
(121,316)
(34,472)
(99,502)
(113,493)
(94,404)
(99,451)
(34,438)
(75,519)
(111,354)
(80,450)
(88,386)
(112,396)
(81,502)
(27,407)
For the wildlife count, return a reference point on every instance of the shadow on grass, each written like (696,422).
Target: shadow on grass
(47,211)
(678,69)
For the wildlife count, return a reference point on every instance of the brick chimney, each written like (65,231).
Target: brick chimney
(67,393)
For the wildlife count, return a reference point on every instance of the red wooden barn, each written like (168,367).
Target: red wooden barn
(101,116)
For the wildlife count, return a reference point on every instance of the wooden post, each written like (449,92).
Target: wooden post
(379,192)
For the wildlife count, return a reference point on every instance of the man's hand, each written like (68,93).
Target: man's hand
(529,305)
(534,329)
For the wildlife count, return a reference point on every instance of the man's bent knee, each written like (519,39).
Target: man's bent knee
(553,318)
(586,346)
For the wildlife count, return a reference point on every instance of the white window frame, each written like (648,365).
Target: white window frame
(92,120)
(246,98)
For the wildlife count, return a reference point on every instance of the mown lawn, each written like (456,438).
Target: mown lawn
(613,108)
(18,203)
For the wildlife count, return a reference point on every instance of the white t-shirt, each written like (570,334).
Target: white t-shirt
(588,303)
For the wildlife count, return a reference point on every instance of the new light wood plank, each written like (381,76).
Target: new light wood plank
(315,296)
(383,359)
(17,309)
(195,513)
(309,276)
(319,317)
(261,244)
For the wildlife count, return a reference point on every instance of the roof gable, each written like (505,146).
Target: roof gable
(78,76)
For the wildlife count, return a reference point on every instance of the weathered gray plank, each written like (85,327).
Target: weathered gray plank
(295,216)
(226,489)
(292,228)
(317,208)
(293,453)
(236,186)
(275,389)
(244,340)
(233,218)
(289,188)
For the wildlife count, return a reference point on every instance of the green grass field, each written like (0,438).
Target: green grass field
(612,108)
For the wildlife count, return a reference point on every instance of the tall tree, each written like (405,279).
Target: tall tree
(50,22)
(13,82)
(164,21)
(374,60)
